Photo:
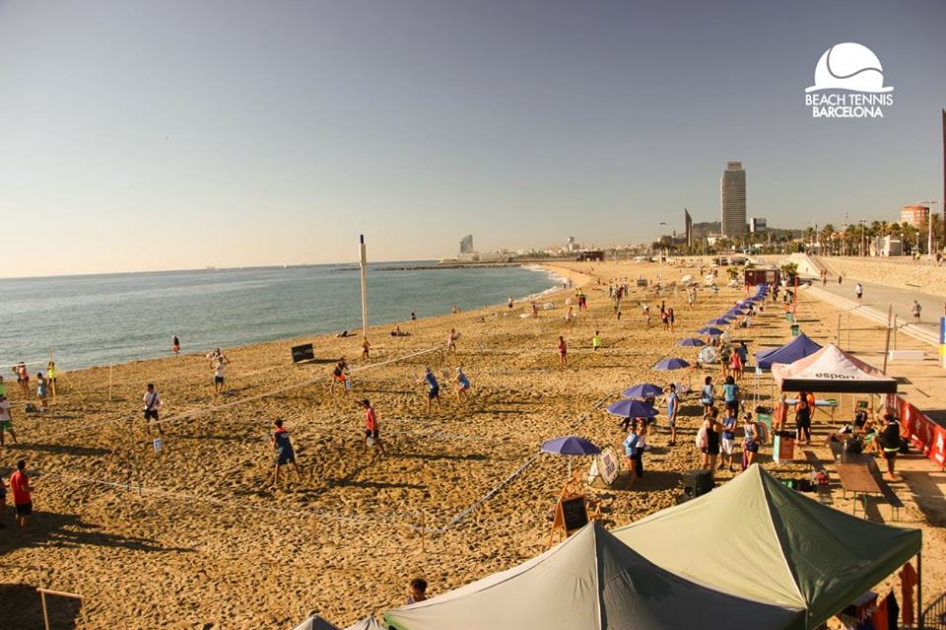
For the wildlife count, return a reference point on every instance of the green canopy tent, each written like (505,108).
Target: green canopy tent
(590,581)
(785,548)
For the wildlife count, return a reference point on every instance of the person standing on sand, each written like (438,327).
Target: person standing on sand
(42,391)
(710,448)
(219,365)
(340,375)
(22,500)
(915,310)
(463,385)
(175,344)
(284,452)
(707,395)
(562,352)
(452,337)
(596,341)
(433,387)
(673,408)
(371,426)
(6,420)
(859,291)
(152,404)
(365,349)
(22,378)
(630,454)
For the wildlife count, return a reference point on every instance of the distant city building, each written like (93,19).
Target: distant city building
(917,216)
(688,227)
(466,245)
(571,245)
(756,225)
(732,197)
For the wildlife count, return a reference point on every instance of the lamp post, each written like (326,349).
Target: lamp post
(660,259)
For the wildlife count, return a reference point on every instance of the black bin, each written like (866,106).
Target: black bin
(696,483)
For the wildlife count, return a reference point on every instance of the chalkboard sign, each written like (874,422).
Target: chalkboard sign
(303,353)
(574,513)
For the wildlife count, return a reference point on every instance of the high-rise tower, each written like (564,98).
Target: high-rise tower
(732,200)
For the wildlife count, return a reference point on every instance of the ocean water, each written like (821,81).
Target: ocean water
(116,318)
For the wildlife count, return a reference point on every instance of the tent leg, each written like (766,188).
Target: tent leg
(919,588)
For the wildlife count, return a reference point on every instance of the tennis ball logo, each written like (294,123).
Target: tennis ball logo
(849,66)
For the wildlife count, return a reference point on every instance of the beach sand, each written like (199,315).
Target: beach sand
(195,537)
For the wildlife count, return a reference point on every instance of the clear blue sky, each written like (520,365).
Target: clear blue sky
(179,134)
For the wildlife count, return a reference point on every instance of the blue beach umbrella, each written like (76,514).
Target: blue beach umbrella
(671,364)
(719,321)
(570,445)
(709,330)
(643,390)
(689,341)
(632,409)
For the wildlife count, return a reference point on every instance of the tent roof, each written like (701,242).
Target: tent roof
(832,370)
(590,581)
(785,548)
(369,623)
(799,347)
(315,622)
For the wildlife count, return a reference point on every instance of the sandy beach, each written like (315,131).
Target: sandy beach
(195,536)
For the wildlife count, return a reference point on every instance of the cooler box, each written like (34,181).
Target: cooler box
(783,447)
(789,316)
(796,330)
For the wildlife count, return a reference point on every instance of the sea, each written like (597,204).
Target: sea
(99,320)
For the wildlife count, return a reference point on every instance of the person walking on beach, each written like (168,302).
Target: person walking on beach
(731,395)
(433,387)
(859,291)
(340,375)
(751,442)
(889,443)
(463,385)
(673,407)
(671,318)
(284,452)
(219,365)
(42,391)
(366,349)
(372,432)
(152,404)
(562,352)
(175,344)
(22,499)
(728,439)
(915,311)
(596,341)
(710,429)
(6,420)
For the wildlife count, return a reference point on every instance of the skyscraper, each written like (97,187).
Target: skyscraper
(732,198)
(466,244)
(688,227)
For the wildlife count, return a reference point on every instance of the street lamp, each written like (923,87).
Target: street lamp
(660,258)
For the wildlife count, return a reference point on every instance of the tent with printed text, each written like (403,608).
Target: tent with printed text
(832,370)
(590,581)
(798,348)
(784,548)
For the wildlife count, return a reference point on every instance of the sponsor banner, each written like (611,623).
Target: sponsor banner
(925,434)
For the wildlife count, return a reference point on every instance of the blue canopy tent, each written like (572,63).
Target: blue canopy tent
(798,348)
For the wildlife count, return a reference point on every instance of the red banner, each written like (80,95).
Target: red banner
(926,436)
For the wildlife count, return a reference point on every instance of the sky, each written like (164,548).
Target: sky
(178,134)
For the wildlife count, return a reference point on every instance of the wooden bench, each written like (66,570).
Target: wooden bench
(890,496)
(857,479)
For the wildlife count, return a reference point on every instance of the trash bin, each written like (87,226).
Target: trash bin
(789,316)
(783,447)
(795,330)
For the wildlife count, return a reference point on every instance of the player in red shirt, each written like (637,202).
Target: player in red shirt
(20,486)
(371,426)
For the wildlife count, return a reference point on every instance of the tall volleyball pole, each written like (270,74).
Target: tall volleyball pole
(364,288)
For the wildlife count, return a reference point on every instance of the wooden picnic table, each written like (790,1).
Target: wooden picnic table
(858,479)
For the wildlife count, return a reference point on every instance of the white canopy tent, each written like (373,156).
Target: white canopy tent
(832,370)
